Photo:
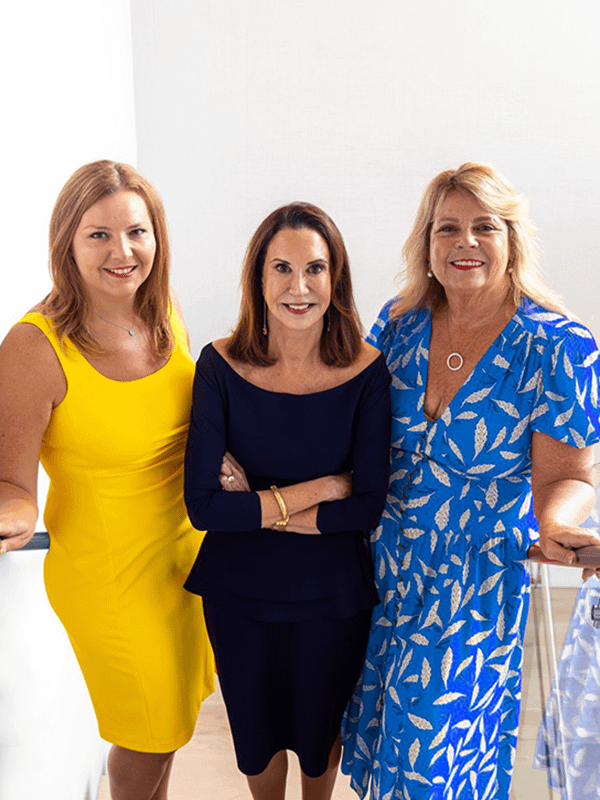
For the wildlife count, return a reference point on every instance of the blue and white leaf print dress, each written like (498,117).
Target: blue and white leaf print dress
(435,713)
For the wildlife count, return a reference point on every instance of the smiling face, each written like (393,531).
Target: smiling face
(469,247)
(114,246)
(296,279)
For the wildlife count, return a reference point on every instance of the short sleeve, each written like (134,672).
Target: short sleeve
(380,332)
(566,407)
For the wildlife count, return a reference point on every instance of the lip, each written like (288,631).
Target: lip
(466,264)
(121,272)
(298,309)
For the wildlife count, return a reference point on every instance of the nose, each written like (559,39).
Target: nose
(298,285)
(467,238)
(121,247)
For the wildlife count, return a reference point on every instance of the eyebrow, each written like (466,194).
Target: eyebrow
(106,228)
(477,219)
(308,263)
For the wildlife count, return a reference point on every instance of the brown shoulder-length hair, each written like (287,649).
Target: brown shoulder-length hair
(494,193)
(67,304)
(342,333)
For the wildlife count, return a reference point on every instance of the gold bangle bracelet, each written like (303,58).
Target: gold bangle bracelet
(281,523)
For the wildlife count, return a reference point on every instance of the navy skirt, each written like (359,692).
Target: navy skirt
(286,684)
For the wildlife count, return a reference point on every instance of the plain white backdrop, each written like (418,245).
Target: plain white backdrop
(242,105)
(233,107)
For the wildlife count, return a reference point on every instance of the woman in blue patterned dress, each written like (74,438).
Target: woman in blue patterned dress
(495,411)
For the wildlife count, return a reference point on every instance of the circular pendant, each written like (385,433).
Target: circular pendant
(461,361)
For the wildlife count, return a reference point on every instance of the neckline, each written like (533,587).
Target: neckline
(131,380)
(71,344)
(479,365)
(291,394)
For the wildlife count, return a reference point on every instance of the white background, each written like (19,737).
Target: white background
(242,105)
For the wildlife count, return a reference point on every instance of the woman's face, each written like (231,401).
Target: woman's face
(296,279)
(469,247)
(114,246)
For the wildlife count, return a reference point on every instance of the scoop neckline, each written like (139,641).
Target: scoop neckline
(292,394)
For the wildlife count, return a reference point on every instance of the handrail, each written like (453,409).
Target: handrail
(588,556)
(39,541)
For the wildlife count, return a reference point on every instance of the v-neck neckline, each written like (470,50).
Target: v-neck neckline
(479,365)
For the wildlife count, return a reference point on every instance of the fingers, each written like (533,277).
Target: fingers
(559,543)
(555,552)
(8,543)
(228,482)
(588,573)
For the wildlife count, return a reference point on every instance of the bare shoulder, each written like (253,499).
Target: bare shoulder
(29,365)
(368,354)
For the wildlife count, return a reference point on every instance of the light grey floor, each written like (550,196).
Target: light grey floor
(205,768)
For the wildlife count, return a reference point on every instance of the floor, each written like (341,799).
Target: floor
(205,768)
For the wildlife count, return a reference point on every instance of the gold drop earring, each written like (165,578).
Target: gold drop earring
(264,326)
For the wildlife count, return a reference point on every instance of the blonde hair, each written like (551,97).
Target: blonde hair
(496,195)
(67,304)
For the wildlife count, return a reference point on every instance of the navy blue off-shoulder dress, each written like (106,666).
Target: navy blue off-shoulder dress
(288,613)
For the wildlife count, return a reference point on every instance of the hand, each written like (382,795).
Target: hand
(232,476)
(589,572)
(557,542)
(14,533)
(341,486)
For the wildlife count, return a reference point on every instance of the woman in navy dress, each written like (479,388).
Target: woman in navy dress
(287,467)
(494,414)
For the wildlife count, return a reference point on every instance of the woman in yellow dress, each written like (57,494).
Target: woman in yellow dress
(97,381)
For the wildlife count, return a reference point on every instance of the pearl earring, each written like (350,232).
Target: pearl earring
(429,273)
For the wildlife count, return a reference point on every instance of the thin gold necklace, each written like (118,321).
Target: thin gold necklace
(130,331)
(455,354)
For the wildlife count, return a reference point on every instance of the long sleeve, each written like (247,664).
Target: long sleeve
(370,462)
(209,507)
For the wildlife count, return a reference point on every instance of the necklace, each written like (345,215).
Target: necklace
(130,331)
(456,366)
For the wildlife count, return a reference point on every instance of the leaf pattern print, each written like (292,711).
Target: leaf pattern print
(435,713)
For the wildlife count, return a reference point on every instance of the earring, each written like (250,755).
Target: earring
(328,326)
(429,273)
(264,325)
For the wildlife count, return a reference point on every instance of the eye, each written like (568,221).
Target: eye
(98,235)
(316,269)
(138,232)
(281,267)
(487,227)
(446,228)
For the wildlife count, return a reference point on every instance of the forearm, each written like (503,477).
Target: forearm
(563,502)
(301,501)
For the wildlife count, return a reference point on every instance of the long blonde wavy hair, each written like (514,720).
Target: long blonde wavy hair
(67,304)
(496,195)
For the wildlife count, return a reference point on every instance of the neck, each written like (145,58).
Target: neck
(119,311)
(293,350)
(466,310)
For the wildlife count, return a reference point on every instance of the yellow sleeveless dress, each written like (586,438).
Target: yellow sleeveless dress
(121,546)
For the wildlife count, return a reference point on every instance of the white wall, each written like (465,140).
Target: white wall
(67,98)
(242,106)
